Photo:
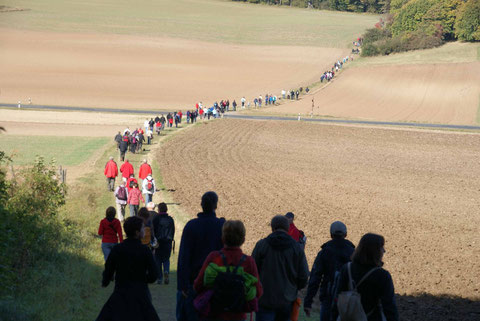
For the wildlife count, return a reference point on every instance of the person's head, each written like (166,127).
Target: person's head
(144,161)
(133,227)
(110,158)
(209,202)
(135,185)
(132,175)
(233,233)
(151,206)
(126,160)
(162,208)
(338,230)
(370,250)
(144,214)
(279,223)
(290,217)
(110,213)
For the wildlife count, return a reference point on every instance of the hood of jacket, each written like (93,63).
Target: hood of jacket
(280,240)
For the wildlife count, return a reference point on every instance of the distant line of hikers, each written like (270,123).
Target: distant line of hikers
(217,281)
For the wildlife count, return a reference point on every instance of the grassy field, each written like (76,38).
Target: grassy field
(453,52)
(208,20)
(65,150)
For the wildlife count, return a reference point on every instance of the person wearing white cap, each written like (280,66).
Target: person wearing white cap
(333,255)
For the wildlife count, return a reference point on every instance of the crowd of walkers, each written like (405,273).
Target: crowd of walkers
(216,280)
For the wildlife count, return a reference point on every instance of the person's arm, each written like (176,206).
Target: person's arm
(341,286)
(128,197)
(198,283)
(119,230)
(184,264)
(257,256)
(109,268)
(141,197)
(105,170)
(302,278)
(254,271)
(314,282)
(100,228)
(152,273)
(387,298)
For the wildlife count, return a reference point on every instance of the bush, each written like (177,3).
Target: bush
(29,228)
(467,23)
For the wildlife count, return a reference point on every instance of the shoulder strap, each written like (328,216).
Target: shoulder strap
(366,276)
(224,259)
(350,279)
(242,259)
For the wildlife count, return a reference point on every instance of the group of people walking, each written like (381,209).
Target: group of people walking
(216,280)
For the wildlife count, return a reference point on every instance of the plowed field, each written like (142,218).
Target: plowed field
(419,189)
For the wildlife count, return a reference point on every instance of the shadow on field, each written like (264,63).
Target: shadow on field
(426,307)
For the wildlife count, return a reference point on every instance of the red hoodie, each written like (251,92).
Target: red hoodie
(111,169)
(145,169)
(126,169)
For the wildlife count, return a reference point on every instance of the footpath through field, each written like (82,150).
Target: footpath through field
(253,117)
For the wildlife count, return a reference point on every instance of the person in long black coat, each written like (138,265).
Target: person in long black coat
(133,266)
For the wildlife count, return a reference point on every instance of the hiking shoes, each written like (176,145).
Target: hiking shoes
(167,280)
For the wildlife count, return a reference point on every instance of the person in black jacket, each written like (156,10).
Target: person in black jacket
(334,254)
(200,236)
(283,271)
(118,139)
(123,146)
(164,228)
(133,267)
(376,290)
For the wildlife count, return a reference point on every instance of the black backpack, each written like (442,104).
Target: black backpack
(229,289)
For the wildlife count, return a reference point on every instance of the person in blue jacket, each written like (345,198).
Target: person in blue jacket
(200,236)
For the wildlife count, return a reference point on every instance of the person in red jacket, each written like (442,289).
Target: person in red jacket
(111,231)
(145,169)
(233,236)
(126,169)
(130,182)
(133,201)
(293,231)
(111,171)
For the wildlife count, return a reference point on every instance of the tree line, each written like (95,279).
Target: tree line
(423,24)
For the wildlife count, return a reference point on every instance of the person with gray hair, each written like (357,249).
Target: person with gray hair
(332,256)
(283,271)
(111,172)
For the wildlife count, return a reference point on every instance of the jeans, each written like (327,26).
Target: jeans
(279,314)
(148,198)
(133,209)
(162,264)
(325,310)
(185,310)
(106,248)
(121,211)
(111,183)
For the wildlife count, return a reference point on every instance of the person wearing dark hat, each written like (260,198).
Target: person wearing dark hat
(283,271)
(333,255)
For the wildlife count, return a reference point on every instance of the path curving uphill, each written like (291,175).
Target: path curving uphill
(435,93)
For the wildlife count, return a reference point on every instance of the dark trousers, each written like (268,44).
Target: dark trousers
(278,314)
(185,310)
(111,183)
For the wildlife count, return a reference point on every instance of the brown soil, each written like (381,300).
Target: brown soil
(140,72)
(439,93)
(418,189)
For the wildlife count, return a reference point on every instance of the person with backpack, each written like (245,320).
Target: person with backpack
(164,227)
(121,196)
(148,188)
(133,267)
(365,290)
(111,172)
(228,282)
(126,169)
(110,230)
(148,238)
(283,270)
(333,255)
(133,200)
(200,236)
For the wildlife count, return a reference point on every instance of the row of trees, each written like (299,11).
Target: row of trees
(422,24)
(377,6)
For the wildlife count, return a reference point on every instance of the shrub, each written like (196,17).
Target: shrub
(467,23)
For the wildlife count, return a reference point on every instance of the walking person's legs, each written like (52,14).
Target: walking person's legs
(120,211)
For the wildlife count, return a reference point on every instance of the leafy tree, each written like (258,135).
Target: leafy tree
(467,24)
(411,15)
